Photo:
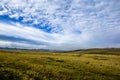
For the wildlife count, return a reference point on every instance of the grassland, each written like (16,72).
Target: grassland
(93,64)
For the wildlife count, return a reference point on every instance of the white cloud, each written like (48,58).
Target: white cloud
(12,44)
(74,24)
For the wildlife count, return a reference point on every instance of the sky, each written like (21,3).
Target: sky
(60,24)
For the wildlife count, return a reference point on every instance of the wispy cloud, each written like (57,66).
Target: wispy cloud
(62,25)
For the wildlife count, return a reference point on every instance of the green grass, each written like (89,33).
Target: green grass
(93,64)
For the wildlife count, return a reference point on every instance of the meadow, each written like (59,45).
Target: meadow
(91,64)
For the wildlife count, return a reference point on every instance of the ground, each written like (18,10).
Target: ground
(92,64)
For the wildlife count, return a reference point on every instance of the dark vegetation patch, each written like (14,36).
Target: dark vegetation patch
(53,59)
(99,58)
(11,74)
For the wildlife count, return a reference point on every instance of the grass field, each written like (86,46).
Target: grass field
(92,64)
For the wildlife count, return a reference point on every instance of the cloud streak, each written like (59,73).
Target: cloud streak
(61,25)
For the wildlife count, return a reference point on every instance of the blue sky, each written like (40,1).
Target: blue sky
(59,24)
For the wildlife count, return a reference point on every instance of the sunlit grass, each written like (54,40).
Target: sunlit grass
(95,64)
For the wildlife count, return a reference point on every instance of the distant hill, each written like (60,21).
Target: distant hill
(48,50)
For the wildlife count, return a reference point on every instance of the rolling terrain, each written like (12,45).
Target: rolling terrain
(91,64)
